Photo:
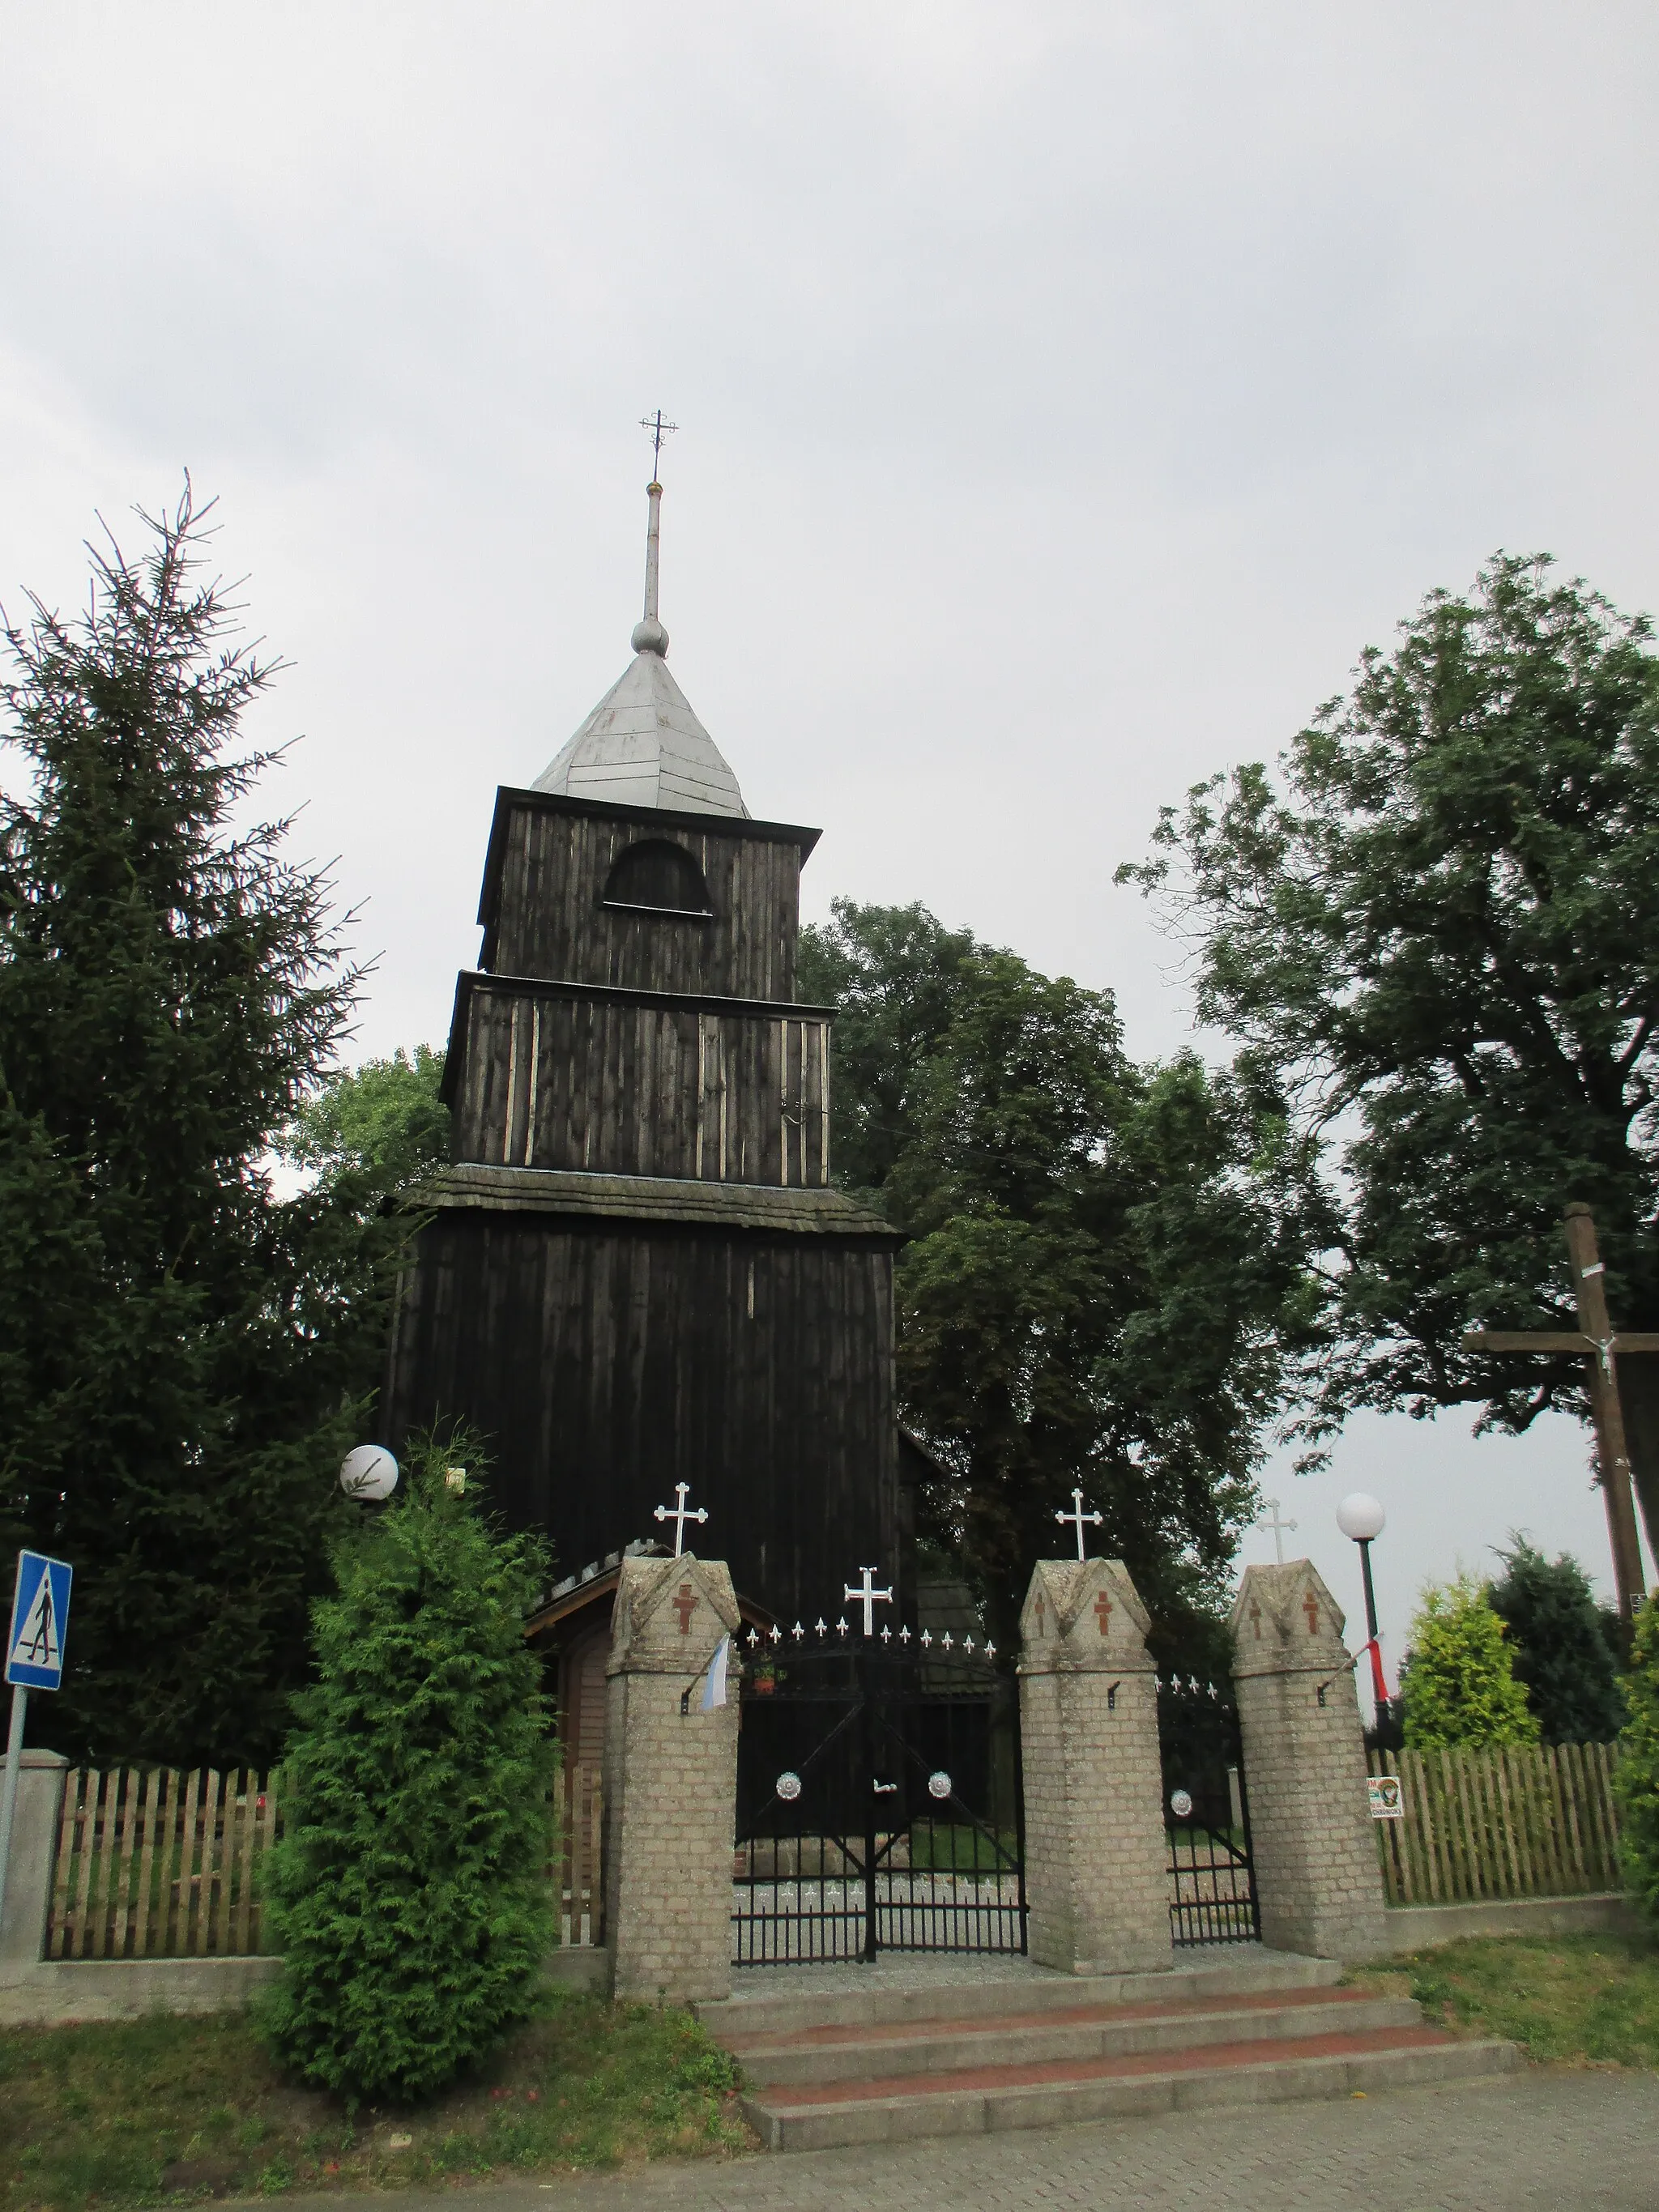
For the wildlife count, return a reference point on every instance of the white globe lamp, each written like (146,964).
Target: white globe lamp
(1360,1517)
(369,1473)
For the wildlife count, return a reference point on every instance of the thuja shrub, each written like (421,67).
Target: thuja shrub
(1636,1778)
(1458,1683)
(409,1896)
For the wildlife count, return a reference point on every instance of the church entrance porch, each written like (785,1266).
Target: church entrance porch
(1212,1897)
(879,1800)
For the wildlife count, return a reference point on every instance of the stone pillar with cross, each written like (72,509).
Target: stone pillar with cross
(670,1784)
(1317,1876)
(1096,1875)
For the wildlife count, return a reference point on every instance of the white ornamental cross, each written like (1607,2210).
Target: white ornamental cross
(1281,1529)
(679,1513)
(1080,1516)
(869,1597)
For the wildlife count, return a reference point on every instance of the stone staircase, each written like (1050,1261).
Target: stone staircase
(827,2061)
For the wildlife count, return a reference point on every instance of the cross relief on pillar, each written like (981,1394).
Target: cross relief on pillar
(685,1604)
(1103,1611)
(1310,1607)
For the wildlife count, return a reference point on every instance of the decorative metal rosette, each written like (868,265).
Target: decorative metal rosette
(1181,1803)
(938,1783)
(788,1786)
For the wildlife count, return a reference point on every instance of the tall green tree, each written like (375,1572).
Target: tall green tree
(382,1121)
(1440,924)
(1106,1283)
(408,1895)
(180,1354)
(1458,1684)
(1559,1645)
(897,979)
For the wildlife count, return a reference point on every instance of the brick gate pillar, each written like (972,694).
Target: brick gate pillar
(670,1776)
(1096,1855)
(1317,1876)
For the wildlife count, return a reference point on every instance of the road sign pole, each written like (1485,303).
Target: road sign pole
(19,1698)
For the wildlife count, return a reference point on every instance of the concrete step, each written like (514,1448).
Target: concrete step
(819,2056)
(769,2001)
(977,2101)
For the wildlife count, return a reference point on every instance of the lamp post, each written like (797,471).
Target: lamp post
(1361,1518)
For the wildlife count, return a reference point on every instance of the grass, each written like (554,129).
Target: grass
(951,1847)
(1578,2000)
(164,2111)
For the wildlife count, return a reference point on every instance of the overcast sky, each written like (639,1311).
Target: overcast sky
(1068,394)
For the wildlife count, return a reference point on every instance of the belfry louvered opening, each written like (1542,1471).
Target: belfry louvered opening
(656,876)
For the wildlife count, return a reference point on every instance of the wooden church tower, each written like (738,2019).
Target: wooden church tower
(636,1274)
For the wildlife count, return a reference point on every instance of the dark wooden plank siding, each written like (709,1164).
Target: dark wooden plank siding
(608,1362)
(551,919)
(623,1086)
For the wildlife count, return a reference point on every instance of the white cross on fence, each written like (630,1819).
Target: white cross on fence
(869,1597)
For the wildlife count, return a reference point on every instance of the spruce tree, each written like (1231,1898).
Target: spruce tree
(1559,1648)
(1635,1778)
(1458,1685)
(179,1351)
(409,1894)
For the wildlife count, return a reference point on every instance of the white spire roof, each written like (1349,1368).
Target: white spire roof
(643,745)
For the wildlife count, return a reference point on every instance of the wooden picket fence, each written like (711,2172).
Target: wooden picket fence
(579,1882)
(154,1863)
(1536,1822)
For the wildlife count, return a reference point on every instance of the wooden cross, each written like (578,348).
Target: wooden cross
(1103,1611)
(1310,1607)
(1080,1516)
(679,1513)
(1281,1529)
(685,1605)
(1595,1338)
(869,1597)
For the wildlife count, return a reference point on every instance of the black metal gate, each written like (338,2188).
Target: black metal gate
(879,1800)
(1206,1817)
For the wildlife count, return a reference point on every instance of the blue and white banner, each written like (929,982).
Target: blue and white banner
(713,1684)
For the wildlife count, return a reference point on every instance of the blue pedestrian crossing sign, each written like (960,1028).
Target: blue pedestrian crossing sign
(40,1617)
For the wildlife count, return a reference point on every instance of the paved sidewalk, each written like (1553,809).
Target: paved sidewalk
(1543,2137)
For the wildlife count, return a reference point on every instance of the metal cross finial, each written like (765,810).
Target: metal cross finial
(660,429)
(1281,1529)
(869,1597)
(679,1513)
(1080,1516)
